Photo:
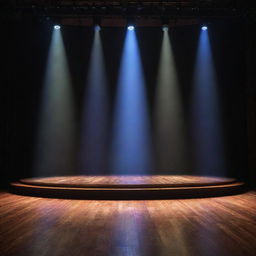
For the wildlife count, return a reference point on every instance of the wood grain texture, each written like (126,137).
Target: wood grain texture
(210,226)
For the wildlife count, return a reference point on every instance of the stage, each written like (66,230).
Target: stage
(127,187)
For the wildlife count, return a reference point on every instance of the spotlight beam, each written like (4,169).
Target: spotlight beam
(206,117)
(170,136)
(131,147)
(56,130)
(94,132)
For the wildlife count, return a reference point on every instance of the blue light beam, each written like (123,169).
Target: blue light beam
(131,148)
(206,116)
(94,132)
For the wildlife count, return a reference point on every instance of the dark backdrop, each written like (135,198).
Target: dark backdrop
(24,53)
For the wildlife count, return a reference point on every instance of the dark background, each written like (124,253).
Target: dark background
(24,53)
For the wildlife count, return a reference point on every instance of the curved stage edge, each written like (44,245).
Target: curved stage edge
(128,187)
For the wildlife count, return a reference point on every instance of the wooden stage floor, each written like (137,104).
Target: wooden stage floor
(127,187)
(220,226)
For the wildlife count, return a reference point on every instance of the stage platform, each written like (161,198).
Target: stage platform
(128,187)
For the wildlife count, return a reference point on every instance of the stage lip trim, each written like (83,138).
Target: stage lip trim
(127,183)
(129,191)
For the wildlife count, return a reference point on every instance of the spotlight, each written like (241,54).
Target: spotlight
(130,27)
(204,28)
(97,28)
(56,26)
(165,27)
(97,23)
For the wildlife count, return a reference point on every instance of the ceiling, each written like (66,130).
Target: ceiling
(118,13)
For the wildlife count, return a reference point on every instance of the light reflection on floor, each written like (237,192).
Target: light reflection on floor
(212,226)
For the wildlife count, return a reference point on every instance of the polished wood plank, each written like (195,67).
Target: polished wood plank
(210,226)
